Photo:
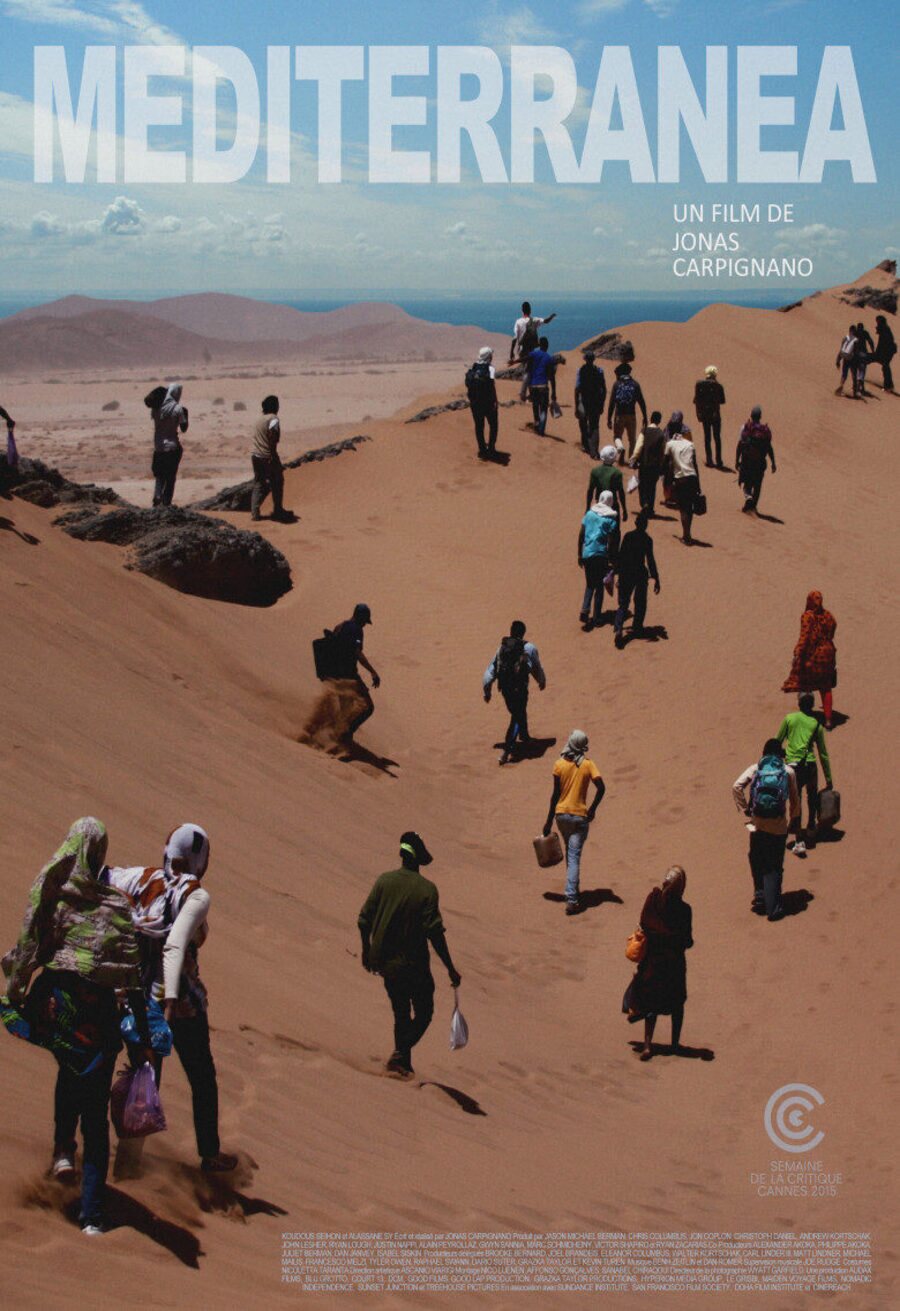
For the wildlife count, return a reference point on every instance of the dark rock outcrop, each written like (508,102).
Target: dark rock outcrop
(238,496)
(188,551)
(872,298)
(34,481)
(434,410)
(889,266)
(611,346)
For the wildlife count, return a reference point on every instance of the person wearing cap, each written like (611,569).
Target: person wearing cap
(348,655)
(709,397)
(625,395)
(482,392)
(399,919)
(605,477)
(590,398)
(573,775)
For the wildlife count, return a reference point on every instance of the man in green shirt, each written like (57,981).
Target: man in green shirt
(401,916)
(804,735)
(605,477)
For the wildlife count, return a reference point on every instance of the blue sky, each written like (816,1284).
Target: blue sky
(292,240)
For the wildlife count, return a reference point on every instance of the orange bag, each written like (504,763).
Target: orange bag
(636,946)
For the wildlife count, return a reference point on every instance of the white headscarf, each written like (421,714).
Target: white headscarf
(606,505)
(190,844)
(576,747)
(172,404)
(608,454)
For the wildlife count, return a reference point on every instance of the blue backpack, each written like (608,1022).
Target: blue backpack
(769,789)
(626,392)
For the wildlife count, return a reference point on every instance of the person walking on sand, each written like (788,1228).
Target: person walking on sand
(79,934)
(12,454)
(541,372)
(804,736)
(515,662)
(268,473)
(814,666)
(865,351)
(625,395)
(753,449)
(709,397)
(590,399)
(598,551)
(348,655)
(170,910)
(659,986)
(636,565)
(772,805)
(885,351)
(605,477)
(846,361)
(681,459)
(525,339)
(170,419)
(400,918)
(573,775)
(481,389)
(648,459)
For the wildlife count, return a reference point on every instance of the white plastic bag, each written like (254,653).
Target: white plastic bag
(632,484)
(459,1030)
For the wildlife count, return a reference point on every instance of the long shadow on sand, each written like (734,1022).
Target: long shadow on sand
(531,750)
(769,518)
(831,834)
(796,902)
(214,1193)
(498,457)
(125,1212)
(463,1100)
(7,525)
(651,633)
(359,755)
(589,898)
(685,1053)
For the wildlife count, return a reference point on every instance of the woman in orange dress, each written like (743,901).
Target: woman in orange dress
(814,667)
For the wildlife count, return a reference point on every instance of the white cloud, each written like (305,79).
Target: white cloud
(123,218)
(813,234)
(169,223)
(513,27)
(456,230)
(599,231)
(61,13)
(591,7)
(45,224)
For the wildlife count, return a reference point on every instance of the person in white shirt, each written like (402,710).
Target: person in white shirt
(771,807)
(681,460)
(526,339)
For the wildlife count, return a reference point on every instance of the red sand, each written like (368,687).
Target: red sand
(145,707)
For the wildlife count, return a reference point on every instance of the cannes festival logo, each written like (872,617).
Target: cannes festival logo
(786,1117)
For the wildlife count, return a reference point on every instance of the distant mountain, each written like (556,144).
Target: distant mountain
(216,328)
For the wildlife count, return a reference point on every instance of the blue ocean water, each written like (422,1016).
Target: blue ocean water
(577,318)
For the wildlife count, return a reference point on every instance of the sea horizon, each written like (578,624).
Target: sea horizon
(577,317)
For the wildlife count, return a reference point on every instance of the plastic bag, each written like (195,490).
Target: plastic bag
(134,1103)
(160,1033)
(555,410)
(632,484)
(459,1030)
(609,581)
(12,452)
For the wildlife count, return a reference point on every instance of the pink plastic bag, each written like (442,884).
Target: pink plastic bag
(134,1103)
(12,453)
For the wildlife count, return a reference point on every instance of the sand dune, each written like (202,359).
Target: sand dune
(147,707)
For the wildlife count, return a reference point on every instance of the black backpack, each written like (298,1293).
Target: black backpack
(512,665)
(529,340)
(154,399)
(478,383)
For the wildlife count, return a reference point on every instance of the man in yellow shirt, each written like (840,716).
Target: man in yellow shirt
(573,774)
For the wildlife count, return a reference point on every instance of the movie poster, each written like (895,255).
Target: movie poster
(446,550)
